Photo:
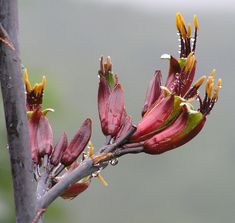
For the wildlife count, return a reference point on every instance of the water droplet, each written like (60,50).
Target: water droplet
(113,162)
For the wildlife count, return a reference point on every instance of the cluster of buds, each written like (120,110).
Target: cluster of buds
(115,122)
(64,155)
(169,119)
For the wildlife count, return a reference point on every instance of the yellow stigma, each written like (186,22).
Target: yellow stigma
(200,81)
(216,90)
(189,63)
(189,30)
(26,81)
(102,180)
(195,21)
(90,149)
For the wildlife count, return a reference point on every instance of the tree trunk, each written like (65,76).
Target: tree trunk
(15,115)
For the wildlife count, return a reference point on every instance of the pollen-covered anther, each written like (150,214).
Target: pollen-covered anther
(200,81)
(180,24)
(189,63)
(90,149)
(26,80)
(195,21)
(102,180)
(209,86)
(189,30)
(216,90)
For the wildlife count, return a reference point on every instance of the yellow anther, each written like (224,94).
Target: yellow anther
(36,88)
(200,81)
(26,81)
(216,90)
(45,111)
(181,18)
(180,24)
(102,180)
(195,21)
(189,63)
(189,30)
(209,86)
(210,90)
(212,74)
(90,149)
(43,82)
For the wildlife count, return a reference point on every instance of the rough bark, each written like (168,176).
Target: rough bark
(15,115)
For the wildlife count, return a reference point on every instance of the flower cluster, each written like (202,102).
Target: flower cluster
(49,159)
(169,117)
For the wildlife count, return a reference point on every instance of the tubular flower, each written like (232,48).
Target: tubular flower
(111,105)
(168,118)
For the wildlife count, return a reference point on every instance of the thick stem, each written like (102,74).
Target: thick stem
(15,115)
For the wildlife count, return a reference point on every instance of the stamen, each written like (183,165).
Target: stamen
(91,149)
(200,81)
(102,180)
(189,63)
(216,90)
(26,81)
(189,31)
(43,82)
(195,21)
(212,74)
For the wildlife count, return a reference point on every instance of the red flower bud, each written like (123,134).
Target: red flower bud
(154,91)
(44,137)
(114,111)
(103,96)
(59,149)
(186,126)
(75,189)
(33,121)
(77,144)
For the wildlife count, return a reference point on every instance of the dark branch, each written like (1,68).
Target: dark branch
(15,114)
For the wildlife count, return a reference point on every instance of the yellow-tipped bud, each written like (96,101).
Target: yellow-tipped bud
(200,81)
(102,180)
(189,30)
(90,149)
(216,90)
(195,21)
(26,81)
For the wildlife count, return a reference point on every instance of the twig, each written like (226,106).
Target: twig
(86,168)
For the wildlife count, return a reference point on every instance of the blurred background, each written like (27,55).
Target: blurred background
(64,40)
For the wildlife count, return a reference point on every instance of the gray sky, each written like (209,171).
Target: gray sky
(172,4)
